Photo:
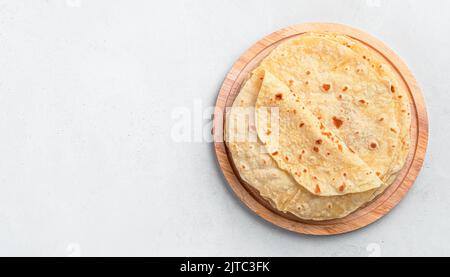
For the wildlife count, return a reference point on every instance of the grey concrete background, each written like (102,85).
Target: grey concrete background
(88,165)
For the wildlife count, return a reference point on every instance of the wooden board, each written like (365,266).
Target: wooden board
(370,212)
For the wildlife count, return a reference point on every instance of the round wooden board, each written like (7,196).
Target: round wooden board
(365,215)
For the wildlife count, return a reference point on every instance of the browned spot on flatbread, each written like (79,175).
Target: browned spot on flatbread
(279,96)
(327,134)
(317,190)
(326,87)
(337,122)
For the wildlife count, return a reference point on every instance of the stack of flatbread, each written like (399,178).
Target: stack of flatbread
(321,127)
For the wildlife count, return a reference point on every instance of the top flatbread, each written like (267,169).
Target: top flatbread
(343,84)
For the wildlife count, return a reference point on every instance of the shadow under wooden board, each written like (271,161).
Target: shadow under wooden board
(370,212)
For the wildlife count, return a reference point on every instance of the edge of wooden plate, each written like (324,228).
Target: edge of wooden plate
(365,215)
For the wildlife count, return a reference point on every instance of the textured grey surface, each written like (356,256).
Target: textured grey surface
(88,165)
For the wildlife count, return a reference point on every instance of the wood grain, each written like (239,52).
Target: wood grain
(370,212)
